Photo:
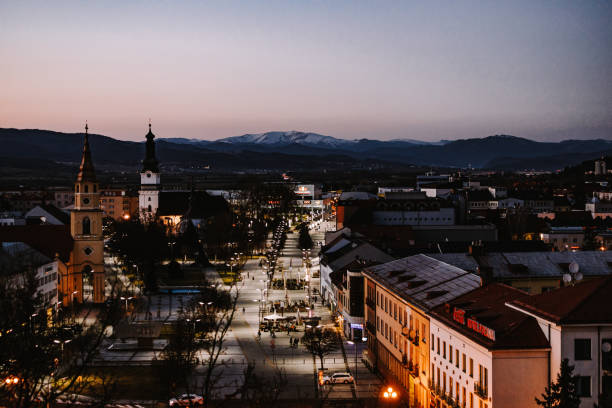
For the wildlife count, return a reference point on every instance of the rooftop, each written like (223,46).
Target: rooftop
(423,280)
(47,239)
(587,302)
(502,327)
(530,264)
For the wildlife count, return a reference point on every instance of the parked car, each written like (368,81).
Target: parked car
(187,400)
(338,378)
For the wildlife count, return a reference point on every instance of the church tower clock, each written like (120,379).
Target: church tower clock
(148,196)
(86,278)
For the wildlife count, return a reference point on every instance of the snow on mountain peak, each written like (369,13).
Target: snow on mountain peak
(289,137)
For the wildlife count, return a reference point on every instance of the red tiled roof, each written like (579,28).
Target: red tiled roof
(486,305)
(47,239)
(588,302)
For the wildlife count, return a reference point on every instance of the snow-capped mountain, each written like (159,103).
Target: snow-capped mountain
(291,137)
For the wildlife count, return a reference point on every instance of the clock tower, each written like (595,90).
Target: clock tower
(148,196)
(86,279)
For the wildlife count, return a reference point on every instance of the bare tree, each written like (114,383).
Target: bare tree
(46,357)
(198,341)
(321,342)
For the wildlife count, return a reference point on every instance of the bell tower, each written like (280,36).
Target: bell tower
(150,182)
(86,280)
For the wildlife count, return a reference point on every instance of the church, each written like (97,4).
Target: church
(77,247)
(173,208)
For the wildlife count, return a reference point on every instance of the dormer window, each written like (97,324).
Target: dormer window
(148,175)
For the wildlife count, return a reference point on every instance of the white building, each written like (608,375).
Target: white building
(601,209)
(400,294)
(485,354)
(577,321)
(600,168)
(150,182)
(21,259)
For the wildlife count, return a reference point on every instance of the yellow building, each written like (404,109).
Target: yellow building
(399,296)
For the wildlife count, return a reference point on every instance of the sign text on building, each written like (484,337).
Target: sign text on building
(459,316)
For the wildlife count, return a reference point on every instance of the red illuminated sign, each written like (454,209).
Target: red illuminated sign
(459,316)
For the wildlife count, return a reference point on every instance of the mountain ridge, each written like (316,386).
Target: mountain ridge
(290,149)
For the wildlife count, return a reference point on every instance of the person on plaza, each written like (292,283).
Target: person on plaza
(258,335)
(243,310)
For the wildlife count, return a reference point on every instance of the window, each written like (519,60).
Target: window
(432,342)
(450,353)
(443,349)
(472,367)
(395,311)
(438,346)
(583,386)
(86,226)
(606,357)
(582,349)
(457,358)
(86,188)
(464,365)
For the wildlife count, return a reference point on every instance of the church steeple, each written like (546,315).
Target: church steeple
(150,162)
(86,170)
(150,181)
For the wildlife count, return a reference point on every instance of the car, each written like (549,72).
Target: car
(338,378)
(187,400)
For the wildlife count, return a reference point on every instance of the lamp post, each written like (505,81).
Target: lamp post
(126,302)
(31,316)
(73,294)
(61,343)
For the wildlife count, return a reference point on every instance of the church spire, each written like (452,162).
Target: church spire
(86,170)
(150,162)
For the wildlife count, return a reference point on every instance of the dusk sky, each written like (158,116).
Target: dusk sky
(425,70)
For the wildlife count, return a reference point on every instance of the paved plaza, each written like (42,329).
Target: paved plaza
(267,354)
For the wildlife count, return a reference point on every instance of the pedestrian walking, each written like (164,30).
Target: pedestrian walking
(243,310)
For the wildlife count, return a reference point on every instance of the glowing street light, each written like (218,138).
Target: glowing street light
(390,393)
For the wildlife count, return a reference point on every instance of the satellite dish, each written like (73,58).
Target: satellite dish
(574,267)
(578,276)
(606,347)
(567,278)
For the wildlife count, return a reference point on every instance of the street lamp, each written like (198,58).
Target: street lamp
(126,302)
(390,393)
(61,343)
(73,294)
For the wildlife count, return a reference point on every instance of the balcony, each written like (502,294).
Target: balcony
(415,339)
(481,391)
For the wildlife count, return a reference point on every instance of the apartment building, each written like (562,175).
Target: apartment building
(118,204)
(485,354)
(399,296)
(577,322)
